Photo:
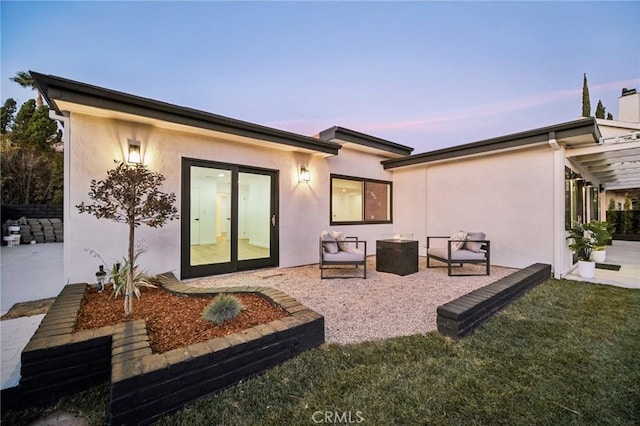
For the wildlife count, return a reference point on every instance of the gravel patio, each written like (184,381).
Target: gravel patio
(356,310)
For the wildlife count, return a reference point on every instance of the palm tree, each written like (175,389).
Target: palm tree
(24,79)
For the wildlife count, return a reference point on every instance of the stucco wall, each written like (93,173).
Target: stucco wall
(354,163)
(410,203)
(508,196)
(303,208)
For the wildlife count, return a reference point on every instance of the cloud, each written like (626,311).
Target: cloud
(445,120)
(496,108)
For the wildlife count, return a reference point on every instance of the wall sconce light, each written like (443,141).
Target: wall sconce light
(134,152)
(304,175)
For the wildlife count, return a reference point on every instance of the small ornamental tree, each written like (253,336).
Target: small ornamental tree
(130,194)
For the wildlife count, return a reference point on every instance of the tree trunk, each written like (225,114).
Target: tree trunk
(128,295)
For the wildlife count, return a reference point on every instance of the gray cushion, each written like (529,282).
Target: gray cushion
(473,246)
(329,242)
(344,256)
(458,254)
(339,237)
(460,235)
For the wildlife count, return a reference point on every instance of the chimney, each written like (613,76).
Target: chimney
(629,106)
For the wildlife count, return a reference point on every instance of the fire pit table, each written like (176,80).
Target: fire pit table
(397,254)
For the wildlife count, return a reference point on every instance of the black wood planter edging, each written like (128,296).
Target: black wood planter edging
(144,385)
(461,316)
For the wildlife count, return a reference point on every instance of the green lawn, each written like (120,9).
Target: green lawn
(566,353)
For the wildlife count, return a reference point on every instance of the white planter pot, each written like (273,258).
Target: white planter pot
(586,269)
(12,240)
(599,256)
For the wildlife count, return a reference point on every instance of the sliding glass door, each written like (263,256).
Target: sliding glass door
(229,219)
(254,216)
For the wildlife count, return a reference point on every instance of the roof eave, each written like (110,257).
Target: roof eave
(348,135)
(507,142)
(55,88)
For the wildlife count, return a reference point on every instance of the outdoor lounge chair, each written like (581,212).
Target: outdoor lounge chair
(337,251)
(462,247)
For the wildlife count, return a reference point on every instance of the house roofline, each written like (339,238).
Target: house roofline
(515,140)
(348,135)
(57,88)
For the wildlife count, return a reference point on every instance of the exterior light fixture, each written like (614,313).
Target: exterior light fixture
(134,152)
(100,277)
(304,175)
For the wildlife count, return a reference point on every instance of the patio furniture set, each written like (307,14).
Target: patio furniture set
(398,253)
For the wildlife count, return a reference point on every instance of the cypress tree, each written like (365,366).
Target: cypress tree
(586,102)
(600,110)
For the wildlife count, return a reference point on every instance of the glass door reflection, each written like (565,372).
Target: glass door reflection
(254,216)
(210,216)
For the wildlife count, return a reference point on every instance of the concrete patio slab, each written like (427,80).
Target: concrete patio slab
(30,272)
(14,336)
(623,253)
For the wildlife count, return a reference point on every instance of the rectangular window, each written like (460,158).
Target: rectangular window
(358,200)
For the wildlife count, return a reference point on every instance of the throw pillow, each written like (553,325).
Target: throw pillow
(460,235)
(473,246)
(339,237)
(329,242)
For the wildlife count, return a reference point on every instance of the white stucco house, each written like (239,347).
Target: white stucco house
(250,196)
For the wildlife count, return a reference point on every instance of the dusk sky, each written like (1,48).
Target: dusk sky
(424,74)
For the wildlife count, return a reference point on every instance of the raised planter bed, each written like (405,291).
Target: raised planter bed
(462,316)
(144,385)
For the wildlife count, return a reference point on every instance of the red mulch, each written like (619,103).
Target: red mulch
(173,321)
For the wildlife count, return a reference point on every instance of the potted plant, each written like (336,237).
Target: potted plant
(582,246)
(600,235)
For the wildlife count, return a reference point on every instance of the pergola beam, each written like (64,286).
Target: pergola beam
(602,148)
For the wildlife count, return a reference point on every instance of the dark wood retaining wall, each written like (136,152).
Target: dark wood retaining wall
(145,386)
(461,316)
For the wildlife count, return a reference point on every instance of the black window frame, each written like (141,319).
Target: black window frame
(364,181)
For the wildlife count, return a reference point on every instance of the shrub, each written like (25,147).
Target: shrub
(582,244)
(612,217)
(626,225)
(120,274)
(224,307)
(600,234)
